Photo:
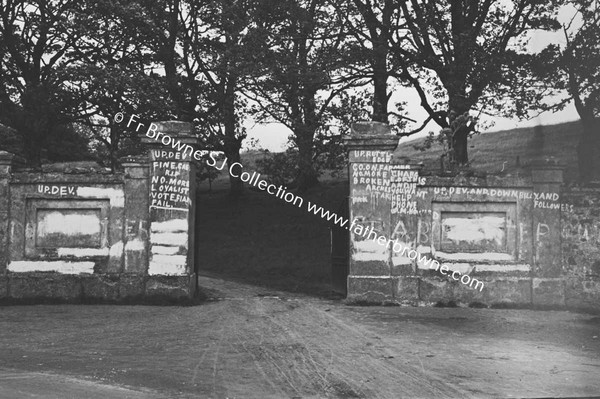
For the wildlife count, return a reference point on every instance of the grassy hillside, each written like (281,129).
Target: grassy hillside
(489,151)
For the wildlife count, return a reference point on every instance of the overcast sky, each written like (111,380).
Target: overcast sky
(274,136)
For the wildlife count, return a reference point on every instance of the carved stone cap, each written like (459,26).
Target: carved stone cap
(547,171)
(546,163)
(10,159)
(370,129)
(135,160)
(177,130)
(371,136)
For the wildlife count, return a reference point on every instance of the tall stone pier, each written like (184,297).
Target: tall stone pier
(370,149)
(171,201)
(509,238)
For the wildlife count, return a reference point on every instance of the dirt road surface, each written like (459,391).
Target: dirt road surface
(247,342)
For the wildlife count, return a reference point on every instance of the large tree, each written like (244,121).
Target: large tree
(201,47)
(115,75)
(299,74)
(462,51)
(570,73)
(370,24)
(216,34)
(37,39)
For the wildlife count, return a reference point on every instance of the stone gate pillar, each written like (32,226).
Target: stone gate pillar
(171,202)
(370,148)
(137,221)
(5,167)
(547,266)
(7,162)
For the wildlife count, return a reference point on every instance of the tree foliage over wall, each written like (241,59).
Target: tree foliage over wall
(570,73)
(314,65)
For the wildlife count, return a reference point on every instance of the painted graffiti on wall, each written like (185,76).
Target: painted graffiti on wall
(370,180)
(585,231)
(370,176)
(372,156)
(168,190)
(115,195)
(404,189)
(492,192)
(363,224)
(418,237)
(580,233)
(542,229)
(544,200)
(57,190)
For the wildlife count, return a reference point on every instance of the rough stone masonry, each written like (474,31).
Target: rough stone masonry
(92,235)
(529,238)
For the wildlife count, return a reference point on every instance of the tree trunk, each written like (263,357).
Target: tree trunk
(232,152)
(168,54)
(461,127)
(232,144)
(380,75)
(307,175)
(32,144)
(460,155)
(588,150)
(35,124)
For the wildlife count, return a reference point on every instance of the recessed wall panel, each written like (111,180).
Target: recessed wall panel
(473,231)
(57,228)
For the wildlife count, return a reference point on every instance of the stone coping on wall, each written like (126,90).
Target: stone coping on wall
(76,172)
(36,177)
(478,181)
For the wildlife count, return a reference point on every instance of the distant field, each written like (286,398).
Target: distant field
(489,151)
(262,240)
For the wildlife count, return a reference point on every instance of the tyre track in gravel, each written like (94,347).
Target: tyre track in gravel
(308,347)
(248,342)
(300,349)
(354,368)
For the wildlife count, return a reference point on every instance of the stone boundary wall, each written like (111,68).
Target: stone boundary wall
(580,235)
(87,235)
(516,234)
